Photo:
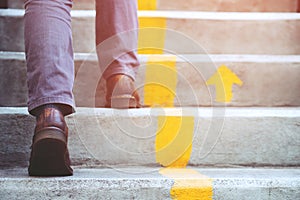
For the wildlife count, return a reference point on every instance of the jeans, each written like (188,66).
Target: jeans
(49,51)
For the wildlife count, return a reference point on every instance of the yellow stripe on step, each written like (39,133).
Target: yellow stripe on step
(173,149)
(152,34)
(160,81)
(174,140)
(189,184)
(147,5)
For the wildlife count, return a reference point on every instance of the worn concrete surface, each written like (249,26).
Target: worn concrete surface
(201,5)
(147,183)
(230,137)
(194,32)
(109,137)
(267,80)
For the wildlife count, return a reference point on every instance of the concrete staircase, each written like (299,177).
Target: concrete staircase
(231,109)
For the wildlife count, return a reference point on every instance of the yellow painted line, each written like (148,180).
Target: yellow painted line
(160,81)
(189,184)
(173,147)
(173,144)
(147,4)
(223,80)
(152,34)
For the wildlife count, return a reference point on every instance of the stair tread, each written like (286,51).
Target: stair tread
(225,32)
(109,137)
(143,173)
(256,72)
(188,111)
(182,14)
(10,55)
(149,183)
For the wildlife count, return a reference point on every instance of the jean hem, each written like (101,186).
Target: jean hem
(51,100)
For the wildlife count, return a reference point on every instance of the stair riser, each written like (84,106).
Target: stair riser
(264,83)
(201,5)
(109,138)
(214,36)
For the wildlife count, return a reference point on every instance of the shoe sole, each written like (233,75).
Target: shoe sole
(49,155)
(122,102)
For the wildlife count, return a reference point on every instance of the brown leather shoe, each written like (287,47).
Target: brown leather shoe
(121,93)
(49,152)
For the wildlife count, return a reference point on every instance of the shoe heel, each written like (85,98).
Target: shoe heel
(123,102)
(50,156)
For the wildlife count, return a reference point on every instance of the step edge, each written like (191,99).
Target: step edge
(181,58)
(223,16)
(258,112)
(247,174)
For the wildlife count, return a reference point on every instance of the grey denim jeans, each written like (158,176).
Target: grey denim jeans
(49,51)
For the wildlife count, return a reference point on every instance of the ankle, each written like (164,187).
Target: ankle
(62,108)
(116,77)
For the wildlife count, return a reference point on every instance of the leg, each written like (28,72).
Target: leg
(49,53)
(116,26)
(50,71)
(116,40)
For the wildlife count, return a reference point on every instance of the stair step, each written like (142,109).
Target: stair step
(198,5)
(267,80)
(110,137)
(150,183)
(194,32)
